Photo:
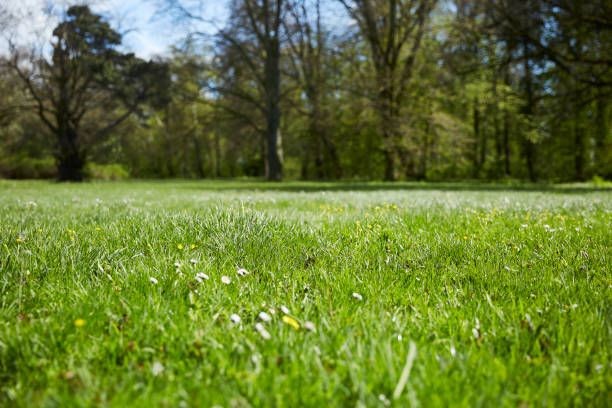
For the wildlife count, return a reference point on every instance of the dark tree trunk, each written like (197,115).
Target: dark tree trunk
(477,147)
(274,169)
(70,157)
(529,148)
(70,163)
(602,148)
(506,142)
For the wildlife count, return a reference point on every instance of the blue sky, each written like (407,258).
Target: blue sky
(148,32)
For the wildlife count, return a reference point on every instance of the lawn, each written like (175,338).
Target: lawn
(152,293)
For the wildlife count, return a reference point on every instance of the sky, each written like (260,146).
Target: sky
(148,31)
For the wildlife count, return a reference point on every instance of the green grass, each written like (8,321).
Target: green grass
(504,291)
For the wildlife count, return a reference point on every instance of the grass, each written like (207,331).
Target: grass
(504,295)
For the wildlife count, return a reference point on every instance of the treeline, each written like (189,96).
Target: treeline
(314,89)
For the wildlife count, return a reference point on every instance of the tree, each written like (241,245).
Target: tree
(254,33)
(307,42)
(85,75)
(393,30)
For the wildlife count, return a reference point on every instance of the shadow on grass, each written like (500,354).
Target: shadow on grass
(311,186)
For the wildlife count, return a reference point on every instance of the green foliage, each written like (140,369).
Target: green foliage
(504,292)
(23,167)
(106,171)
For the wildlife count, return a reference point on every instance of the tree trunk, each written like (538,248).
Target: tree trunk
(602,137)
(506,142)
(476,129)
(70,160)
(274,170)
(529,109)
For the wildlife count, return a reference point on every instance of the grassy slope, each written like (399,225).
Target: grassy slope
(506,294)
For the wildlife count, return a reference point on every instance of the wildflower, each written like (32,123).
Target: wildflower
(193,261)
(263,316)
(357,296)
(384,400)
(192,246)
(285,310)
(242,272)
(79,323)
(157,368)
(262,331)
(226,280)
(291,322)
(310,326)
(201,277)
(153,280)
(180,246)
(235,318)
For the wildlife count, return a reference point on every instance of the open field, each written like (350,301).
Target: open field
(505,294)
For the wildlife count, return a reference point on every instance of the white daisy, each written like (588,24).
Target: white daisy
(310,326)
(157,368)
(357,296)
(201,277)
(226,280)
(263,316)
(153,280)
(262,331)
(235,318)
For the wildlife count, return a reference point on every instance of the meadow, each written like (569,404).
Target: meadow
(237,294)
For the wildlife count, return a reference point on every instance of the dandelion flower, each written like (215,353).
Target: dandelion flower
(157,368)
(291,322)
(310,326)
(235,318)
(79,323)
(285,309)
(180,246)
(226,280)
(201,277)
(263,316)
(153,280)
(357,296)
(192,246)
(242,272)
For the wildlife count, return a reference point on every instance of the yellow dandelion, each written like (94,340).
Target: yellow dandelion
(79,323)
(291,322)
(180,246)
(192,246)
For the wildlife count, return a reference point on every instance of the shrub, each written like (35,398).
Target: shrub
(113,171)
(21,167)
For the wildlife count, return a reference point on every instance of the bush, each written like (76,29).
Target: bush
(20,167)
(113,171)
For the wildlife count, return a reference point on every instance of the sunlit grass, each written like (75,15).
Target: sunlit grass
(296,294)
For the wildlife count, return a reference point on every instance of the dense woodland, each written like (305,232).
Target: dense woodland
(320,89)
